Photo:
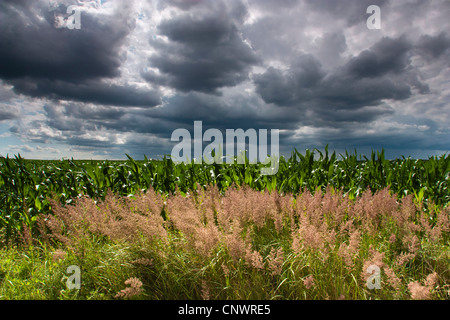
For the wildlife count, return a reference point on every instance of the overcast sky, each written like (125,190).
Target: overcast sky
(137,70)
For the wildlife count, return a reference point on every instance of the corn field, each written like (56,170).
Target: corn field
(26,186)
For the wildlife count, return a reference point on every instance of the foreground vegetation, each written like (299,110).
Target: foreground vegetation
(27,185)
(155,230)
(245,244)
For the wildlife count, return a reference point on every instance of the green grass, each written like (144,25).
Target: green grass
(28,269)
(176,269)
(26,185)
(32,273)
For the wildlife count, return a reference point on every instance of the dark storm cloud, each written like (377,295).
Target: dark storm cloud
(290,87)
(79,117)
(58,54)
(237,111)
(386,56)
(179,111)
(310,68)
(434,47)
(75,119)
(87,91)
(41,60)
(381,72)
(203,53)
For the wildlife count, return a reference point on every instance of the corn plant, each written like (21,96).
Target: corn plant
(27,185)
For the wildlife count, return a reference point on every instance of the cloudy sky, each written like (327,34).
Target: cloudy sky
(137,70)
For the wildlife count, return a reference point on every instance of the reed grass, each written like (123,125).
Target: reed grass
(239,244)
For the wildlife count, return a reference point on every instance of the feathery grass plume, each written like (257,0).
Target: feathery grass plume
(349,251)
(134,289)
(225,269)
(435,233)
(392,238)
(307,236)
(247,205)
(404,257)
(282,209)
(330,201)
(115,218)
(253,258)
(143,261)
(235,206)
(347,227)
(441,226)
(205,291)
(309,282)
(286,206)
(308,206)
(183,214)
(25,236)
(370,209)
(412,242)
(431,280)
(137,216)
(375,258)
(65,225)
(186,215)
(385,203)
(392,278)
(407,210)
(128,218)
(275,260)
(412,227)
(143,214)
(426,227)
(148,203)
(443,219)
(334,206)
(418,292)
(259,206)
(251,207)
(314,237)
(274,211)
(234,243)
(58,255)
(423,292)
(206,239)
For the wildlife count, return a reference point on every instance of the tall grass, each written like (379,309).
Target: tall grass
(155,230)
(27,185)
(242,244)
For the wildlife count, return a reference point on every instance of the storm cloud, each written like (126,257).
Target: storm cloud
(382,72)
(135,71)
(202,53)
(40,60)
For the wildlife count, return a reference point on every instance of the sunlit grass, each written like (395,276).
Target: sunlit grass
(244,244)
